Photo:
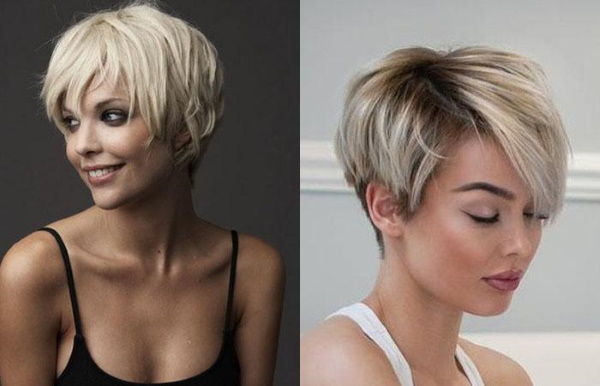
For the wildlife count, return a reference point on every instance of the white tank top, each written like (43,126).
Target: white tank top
(362,315)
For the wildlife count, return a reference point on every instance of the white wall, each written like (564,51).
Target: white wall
(551,358)
(339,260)
(338,37)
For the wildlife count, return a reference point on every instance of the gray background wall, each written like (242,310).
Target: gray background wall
(338,251)
(249,177)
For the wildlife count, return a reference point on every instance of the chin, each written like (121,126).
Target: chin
(106,205)
(490,307)
(109,202)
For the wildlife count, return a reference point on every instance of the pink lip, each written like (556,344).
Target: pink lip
(505,281)
(104,179)
(99,166)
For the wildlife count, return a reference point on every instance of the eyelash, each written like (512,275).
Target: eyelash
(532,216)
(121,116)
(68,123)
(485,220)
(495,218)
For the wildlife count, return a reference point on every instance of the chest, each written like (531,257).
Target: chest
(145,329)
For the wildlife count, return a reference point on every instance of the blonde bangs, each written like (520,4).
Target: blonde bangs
(514,108)
(169,71)
(403,115)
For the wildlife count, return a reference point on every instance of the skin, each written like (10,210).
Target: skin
(151,278)
(434,269)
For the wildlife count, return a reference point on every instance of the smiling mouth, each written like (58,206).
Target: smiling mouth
(104,171)
(101,174)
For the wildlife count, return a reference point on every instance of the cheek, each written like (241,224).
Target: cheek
(129,149)
(150,163)
(536,238)
(156,156)
(464,251)
(138,146)
(447,251)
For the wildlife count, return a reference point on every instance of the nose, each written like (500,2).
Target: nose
(522,240)
(86,139)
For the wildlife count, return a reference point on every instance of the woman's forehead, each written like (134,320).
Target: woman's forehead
(98,91)
(478,160)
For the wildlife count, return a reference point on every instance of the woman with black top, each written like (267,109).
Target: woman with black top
(137,289)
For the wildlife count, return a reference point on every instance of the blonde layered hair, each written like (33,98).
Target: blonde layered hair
(170,71)
(403,114)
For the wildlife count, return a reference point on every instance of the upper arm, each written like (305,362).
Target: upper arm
(334,354)
(259,297)
(29,316)
(496,368)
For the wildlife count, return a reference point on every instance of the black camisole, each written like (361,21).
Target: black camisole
(81,369)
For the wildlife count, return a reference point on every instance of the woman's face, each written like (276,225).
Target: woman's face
(475,233)
(110,153)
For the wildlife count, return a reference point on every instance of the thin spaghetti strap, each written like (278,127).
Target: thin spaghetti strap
(234,252)
(70,280)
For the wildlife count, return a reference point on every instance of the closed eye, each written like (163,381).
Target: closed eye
(532,216)
(483,219)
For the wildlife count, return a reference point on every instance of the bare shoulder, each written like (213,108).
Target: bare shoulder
(33,266)
(260,281)
(259,264)
(338,353)
(256,254)
(32,282)
(495,368)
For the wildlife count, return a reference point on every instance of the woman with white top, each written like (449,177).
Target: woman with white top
(458,158)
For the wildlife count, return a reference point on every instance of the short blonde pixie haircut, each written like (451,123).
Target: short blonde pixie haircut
(403,114)
(170,71)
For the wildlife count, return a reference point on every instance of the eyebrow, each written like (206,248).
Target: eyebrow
(496,190)
(100,104)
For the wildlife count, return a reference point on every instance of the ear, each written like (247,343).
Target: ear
(384,210)
(182,138)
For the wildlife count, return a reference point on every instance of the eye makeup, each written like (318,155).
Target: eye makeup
(496,217)
(69,122)
(114,117)
(483,219)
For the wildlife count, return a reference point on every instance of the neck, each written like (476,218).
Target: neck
(154,226)
(424,328)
